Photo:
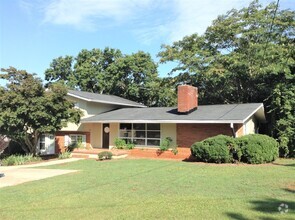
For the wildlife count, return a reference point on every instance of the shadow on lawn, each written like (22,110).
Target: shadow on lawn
(191,158)
(285,165)
(290,190)
(267,206)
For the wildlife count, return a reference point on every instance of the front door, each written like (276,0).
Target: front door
(106,136)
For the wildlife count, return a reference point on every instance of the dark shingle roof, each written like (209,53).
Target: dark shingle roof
(236,113)
(101,98)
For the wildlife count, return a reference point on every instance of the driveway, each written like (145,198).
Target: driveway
(15,175)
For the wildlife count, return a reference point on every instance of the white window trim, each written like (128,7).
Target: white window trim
(42,142)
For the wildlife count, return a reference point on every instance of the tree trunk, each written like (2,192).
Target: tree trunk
(32,142)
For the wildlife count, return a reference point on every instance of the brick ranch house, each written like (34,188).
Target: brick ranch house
(108,117)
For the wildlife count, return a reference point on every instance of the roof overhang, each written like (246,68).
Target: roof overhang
(167,121)
(259,114)
(104,102)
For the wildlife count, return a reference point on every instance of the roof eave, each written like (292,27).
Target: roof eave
(105,102)
(259,112)
(166,121)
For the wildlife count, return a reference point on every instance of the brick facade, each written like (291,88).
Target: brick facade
(60,140)
(187,134)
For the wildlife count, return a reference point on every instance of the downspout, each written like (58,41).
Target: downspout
(233,129)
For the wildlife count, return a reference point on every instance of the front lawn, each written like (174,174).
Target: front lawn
(155,189)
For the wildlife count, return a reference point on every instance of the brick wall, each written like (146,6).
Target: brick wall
(60,139)
(187,134)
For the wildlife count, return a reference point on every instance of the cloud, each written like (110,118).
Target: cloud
(195,16)
(148,20)
(90,14)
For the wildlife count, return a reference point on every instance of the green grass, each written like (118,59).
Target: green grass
(155,189)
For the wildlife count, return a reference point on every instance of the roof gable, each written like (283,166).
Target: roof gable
(102,98)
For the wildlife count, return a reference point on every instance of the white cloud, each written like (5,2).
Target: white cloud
(168,20)
(194,16)
(92,13)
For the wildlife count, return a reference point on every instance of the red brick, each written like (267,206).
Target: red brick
(187,134)
(187,98)
(60,140)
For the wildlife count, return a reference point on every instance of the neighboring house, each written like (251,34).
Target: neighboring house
(108,117)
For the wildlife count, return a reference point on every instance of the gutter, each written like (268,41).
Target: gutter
(233,129)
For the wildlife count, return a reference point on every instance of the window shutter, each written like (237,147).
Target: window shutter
(84,140)
(67,140)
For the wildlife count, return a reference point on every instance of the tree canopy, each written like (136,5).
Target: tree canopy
(108,71)
(246,55)
(27,110)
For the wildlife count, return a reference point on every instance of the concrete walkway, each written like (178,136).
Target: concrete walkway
(15,175)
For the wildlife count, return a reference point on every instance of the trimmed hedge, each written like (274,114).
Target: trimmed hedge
(258,148)
(105,155)
(218,149)
(254,148)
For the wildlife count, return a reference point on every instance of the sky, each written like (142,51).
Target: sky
(34,32)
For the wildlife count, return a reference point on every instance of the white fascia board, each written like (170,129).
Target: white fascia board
(169,121)
(78,97)
(105,102)
(252,113)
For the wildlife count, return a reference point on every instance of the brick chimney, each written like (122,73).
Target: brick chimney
(187,99)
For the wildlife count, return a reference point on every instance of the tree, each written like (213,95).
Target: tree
(244,56)
(108,71)
(27,110)
(135,77)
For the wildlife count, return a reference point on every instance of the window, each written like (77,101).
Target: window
(42,142)
(76,138)
(141,134)
(73,139)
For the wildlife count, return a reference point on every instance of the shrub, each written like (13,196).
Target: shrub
(218,149)
(165,144)
(19,159)
(74,146)
(254,149)
(64,155)
(120,143)
(130,146)
(174,151)
(105,155)
(258,148)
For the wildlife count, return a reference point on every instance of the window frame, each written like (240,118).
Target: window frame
(42,142)
(133,131)
(76,137)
